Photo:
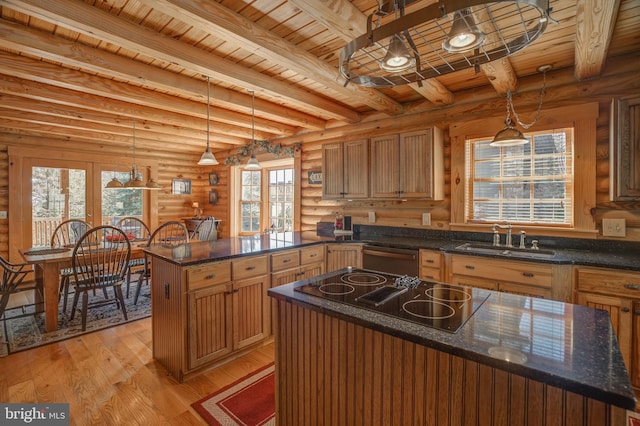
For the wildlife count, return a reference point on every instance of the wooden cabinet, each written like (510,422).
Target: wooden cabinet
(408,165)
(617,292)
(625,149)
(345,170)
(523,278)
(431,265)
(226,316)
(294,265)
(342,255)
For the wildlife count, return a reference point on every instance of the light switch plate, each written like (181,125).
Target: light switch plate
(3,214)
(372,217)
(426,219)
(614,227)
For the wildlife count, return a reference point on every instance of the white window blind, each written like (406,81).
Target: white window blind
(526,184)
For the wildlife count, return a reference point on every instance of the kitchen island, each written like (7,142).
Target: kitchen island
(514,361)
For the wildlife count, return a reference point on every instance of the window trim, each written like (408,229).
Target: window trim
(582,118)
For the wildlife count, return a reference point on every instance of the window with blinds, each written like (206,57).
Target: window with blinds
(528,184)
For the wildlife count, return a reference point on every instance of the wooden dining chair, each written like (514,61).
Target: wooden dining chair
(67,234)
(205,230)
(171,233)
(15,280)
(100,262)
(134,226)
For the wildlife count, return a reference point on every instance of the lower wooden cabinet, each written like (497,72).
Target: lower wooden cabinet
(294,265)
(617,292)
(343,255)
(430,265)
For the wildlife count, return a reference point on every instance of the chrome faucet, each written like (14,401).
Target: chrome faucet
(496,235)
(523,236)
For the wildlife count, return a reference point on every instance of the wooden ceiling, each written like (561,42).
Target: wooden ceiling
(85,70)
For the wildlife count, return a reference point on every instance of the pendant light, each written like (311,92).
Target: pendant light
(134,179)
(464,35)
(207,158)
(253,164)
(510,136)
(397,58)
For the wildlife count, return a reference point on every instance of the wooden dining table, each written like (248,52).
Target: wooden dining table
(47,264)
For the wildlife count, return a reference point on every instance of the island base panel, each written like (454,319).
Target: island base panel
(331,371)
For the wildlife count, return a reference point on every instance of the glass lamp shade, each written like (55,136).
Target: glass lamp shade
(509,136)
(397,58)
(464,35)
(207,159)
(252,164)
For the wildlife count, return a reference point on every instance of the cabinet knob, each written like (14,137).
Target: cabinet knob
(625,309)
(637,312)
(313,255)
(429,261)
(249,268)
(286,261)
(210,277)
(632,286)
(470,267)
(527,274)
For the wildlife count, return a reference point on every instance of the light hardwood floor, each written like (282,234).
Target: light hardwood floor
(110,378)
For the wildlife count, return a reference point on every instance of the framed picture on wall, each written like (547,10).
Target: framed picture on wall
(181,186)
(213,179)
(213,197)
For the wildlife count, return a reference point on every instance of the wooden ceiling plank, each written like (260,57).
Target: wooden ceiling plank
(87,19)
(345,20)
(595,22)
(53,48)
(31,69)
(237,29)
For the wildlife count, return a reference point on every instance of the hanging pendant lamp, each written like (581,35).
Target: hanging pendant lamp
(134,178)
(464,35)
(398,57)
(252,164)
(207,158)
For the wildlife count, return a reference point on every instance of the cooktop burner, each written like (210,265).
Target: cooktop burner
(443,306)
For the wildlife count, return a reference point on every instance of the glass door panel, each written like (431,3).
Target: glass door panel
(120,202)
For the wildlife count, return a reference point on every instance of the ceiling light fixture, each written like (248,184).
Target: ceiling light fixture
(440,38)
(464,35)
(253,164)
(510,136)
(207,158)
(397,58)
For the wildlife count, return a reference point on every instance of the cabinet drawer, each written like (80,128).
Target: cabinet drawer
(249,267)
(208,274)
(503,270)
(430,258)
(430,273)
(608,281)
(285,260)
(312,254)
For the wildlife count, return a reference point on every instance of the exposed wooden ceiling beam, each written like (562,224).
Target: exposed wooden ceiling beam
(345,20)
(30,69)
(244,33)
(595,21)
(93,22)
(48,46)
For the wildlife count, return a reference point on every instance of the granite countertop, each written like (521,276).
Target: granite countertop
(227,248)
(568,346)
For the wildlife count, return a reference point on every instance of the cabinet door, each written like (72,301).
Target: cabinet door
(332,171)
(620,310)
(285,277)
(250,311)
(474,282)
(356,169)
(525,290)
(309,271)
(342,255)
(385,167)
(210,319)
(416,159)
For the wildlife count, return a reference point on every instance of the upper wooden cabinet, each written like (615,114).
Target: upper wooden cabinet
(625,149)
(345,170)
(408,165)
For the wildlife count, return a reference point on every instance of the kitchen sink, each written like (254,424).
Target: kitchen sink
(506,251)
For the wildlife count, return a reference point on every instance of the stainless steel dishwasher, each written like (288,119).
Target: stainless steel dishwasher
(391,260)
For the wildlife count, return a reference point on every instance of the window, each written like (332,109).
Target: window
(525,184)
(250,201)
(265,199)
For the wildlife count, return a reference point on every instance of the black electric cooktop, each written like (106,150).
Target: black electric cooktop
(433,304)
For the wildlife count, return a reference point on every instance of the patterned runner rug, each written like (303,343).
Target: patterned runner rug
(249,401)
(24,333)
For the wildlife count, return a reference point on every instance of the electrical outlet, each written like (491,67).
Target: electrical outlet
(614,228)
(372,217)
(426,219)
(3,214)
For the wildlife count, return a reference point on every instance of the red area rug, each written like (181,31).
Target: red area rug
(250,401)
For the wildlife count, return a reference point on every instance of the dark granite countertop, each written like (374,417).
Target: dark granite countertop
(568,346)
